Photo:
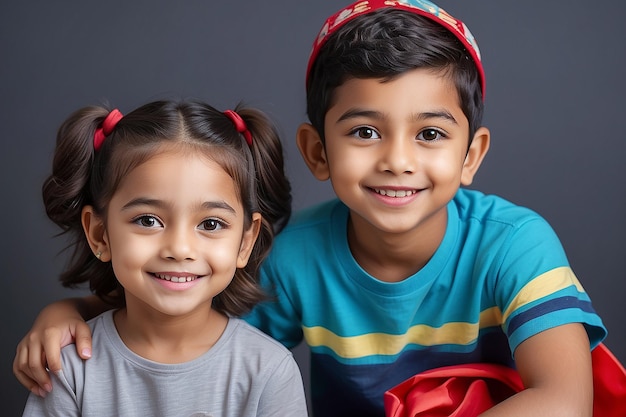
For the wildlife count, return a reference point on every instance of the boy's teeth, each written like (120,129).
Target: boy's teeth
(395,193)
(175,279)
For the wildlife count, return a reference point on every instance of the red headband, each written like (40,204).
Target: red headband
(240,125)
(420,7)
(108,124)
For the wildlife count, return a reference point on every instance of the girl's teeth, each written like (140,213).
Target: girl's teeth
(175,279)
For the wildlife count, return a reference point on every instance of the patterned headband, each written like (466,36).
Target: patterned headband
(420,7)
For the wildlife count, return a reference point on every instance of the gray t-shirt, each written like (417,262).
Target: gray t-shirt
(246,373)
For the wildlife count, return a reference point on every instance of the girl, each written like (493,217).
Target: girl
(171,208)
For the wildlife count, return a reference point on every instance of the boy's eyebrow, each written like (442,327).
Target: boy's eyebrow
(440,114)
(373,114)
(352,113)
(207,205)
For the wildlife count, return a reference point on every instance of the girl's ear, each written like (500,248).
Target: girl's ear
(475,155)
(312,151)
(93,226)
(248,240)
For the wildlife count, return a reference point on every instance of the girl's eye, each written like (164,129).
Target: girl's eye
(147,221)
(211,225)
(429,135)
(365,132)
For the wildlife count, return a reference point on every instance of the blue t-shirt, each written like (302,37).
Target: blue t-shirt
(499,276)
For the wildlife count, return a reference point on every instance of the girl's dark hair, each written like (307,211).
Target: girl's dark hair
(385,44)
(83,177)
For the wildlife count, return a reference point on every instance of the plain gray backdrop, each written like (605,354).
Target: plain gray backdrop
(554,104)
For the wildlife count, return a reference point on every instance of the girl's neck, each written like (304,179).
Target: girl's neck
(169,339)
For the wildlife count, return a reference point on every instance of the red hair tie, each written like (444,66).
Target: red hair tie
(240,125)
(108,124)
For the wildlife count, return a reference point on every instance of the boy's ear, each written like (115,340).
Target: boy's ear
(312,151)
(248,240)
(475,155)
(93,226)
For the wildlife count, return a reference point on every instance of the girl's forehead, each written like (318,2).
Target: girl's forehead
(180,176)
(184,150)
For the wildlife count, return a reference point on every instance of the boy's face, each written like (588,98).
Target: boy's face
(395,151)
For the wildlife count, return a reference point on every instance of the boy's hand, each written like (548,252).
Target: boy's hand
(56,326)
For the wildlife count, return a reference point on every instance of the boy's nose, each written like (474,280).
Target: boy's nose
(398,156)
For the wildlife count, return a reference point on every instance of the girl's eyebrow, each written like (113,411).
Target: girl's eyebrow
(377,115)
(143,201)
(218,205)
(207,205)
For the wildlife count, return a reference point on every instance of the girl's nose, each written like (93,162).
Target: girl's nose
(179,244)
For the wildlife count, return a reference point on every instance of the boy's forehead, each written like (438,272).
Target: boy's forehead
(420,7)
(419,91)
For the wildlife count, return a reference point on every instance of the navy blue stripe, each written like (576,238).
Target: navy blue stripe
(550,306)
(358,390)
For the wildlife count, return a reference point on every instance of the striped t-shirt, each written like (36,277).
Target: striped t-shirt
(499,276)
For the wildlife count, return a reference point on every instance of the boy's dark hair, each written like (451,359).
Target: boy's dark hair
(385,44)
(81,176)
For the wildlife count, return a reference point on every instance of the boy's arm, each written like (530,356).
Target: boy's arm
(57,325)
(555,366)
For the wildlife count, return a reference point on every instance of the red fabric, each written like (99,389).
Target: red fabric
(468,390)
(452,391)
(609,384)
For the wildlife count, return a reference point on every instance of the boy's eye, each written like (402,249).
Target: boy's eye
(365,132)
(430,135)
(147,221)
(211,225)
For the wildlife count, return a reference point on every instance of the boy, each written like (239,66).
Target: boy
(406,271)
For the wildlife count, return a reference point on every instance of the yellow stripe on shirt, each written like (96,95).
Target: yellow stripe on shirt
(458,333)
(391,344)
(544,285)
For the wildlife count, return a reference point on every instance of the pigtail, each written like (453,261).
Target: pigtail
(272,192)
(67,190)
(272,186)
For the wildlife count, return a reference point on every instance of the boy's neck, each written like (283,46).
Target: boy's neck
(393,257)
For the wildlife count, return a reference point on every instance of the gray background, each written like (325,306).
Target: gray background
(555,106)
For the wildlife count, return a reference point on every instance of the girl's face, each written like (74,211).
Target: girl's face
(175,233)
